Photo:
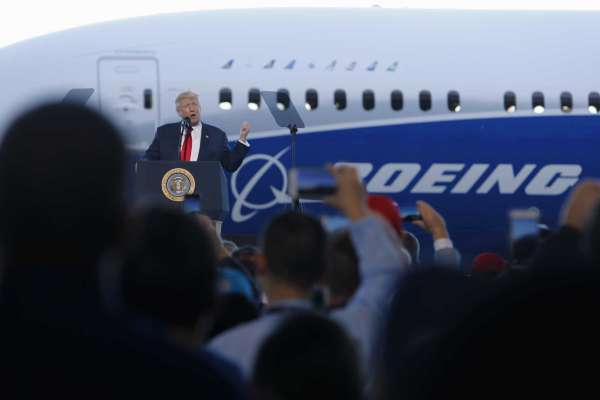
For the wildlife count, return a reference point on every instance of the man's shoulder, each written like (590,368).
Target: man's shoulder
(168,127)
(242,343)
(166,130)
(249,331)
(226,368)
(211,128)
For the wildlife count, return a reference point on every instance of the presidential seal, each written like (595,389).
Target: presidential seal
(176,183)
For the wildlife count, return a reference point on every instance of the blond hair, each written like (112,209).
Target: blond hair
(188,94)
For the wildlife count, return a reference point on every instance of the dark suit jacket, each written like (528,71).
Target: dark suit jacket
(213,146)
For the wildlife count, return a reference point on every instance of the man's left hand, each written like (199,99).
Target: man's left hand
(244,130)
(432,221)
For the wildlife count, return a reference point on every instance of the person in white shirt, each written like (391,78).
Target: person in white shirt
(293,263)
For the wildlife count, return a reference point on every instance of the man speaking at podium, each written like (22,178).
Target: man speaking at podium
(191,140)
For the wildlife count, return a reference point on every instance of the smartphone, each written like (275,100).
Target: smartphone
(523,222)
(410,213)
(310,183)
(191,204)
(412,217)
(333,223)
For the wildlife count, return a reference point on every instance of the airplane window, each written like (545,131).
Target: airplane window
(283,99)
(312,100)
(148,99)
(397,100)
(368,100)
(510,102)
(225,99)
(254,99)
(594,102)
(566,102)
(453,101)
(339,99)
(425,100)
(537,102)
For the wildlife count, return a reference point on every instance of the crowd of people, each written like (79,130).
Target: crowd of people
(99,300)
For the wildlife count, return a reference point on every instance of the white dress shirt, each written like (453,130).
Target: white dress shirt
(197,141)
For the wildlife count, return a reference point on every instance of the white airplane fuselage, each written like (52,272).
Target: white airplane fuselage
(487,143)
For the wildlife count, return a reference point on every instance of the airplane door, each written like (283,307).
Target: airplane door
(129,94)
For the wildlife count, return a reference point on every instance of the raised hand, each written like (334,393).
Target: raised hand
(244,130)
(432,221)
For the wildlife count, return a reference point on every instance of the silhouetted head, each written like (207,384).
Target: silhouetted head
(342,275)
(524,248)
(170,268)
(62,173)
(591,240)
(307,357)
(428,305)
(246,255)
(530,336)
(294,248)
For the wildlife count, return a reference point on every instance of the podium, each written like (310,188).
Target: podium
(168,182)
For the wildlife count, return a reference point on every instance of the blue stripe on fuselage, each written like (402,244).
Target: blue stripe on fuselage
(478,222)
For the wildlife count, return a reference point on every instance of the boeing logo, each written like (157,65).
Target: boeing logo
(241,196)
(457,178)
(438,178)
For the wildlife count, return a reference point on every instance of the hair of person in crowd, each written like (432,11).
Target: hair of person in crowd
(523,250)
(170,273)
(246,255)
(591,239)
(233,277)
(342,276)
(294,252)
(232,280)
(59,197)
(308,356)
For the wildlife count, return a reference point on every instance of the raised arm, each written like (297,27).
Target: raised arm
(444,252)
(232,159)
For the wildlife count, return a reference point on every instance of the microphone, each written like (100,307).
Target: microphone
(186,124)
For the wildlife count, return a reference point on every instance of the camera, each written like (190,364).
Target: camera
(523,222)
(334,223)
(191,204)
(410,214)
(310,183)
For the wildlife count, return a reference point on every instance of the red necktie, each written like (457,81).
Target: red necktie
(186,149)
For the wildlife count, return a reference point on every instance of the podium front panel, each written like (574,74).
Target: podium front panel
(167,182)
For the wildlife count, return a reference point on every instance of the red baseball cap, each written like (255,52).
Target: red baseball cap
(388,208)
(489,262)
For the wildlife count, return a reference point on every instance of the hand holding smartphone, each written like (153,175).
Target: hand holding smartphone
(311,183)
(410,214)
(523,222)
